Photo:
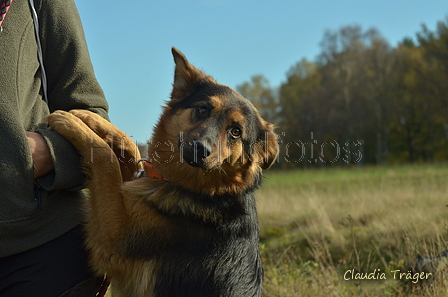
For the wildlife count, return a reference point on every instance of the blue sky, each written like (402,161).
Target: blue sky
(231,40)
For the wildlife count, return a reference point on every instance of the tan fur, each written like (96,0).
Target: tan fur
(231,176)
(110,215)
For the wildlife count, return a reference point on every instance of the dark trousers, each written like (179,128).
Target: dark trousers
(48,270)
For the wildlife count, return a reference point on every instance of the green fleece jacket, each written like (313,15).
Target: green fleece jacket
(33,212)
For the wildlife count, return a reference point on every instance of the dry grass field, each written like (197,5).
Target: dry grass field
(323,229)
(319,226)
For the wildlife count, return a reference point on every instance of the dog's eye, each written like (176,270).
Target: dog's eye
(236,132)
(202,111)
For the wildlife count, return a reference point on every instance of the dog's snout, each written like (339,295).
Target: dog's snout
(195,152)
(202,149)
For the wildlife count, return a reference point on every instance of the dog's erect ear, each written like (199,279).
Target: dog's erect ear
(267,147)
(186,78)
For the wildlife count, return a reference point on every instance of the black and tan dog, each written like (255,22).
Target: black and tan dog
(194,232)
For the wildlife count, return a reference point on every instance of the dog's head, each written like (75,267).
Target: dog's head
(210,138)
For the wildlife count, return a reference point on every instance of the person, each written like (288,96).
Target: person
(41,180)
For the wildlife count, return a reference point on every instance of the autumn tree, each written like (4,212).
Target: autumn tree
(388,104)
(355,67)
(262,96)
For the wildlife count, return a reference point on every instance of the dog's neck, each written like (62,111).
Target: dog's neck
(215,209)
(209,208)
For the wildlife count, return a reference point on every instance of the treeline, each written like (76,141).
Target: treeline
(362,100)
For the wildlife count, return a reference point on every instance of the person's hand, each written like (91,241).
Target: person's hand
(41,154)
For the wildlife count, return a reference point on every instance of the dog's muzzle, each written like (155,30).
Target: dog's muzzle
(195,152)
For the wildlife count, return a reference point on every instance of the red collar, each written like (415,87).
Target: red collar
(149,171)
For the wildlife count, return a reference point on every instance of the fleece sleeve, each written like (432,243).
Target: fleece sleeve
(71,85)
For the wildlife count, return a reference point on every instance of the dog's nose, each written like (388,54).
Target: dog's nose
(202,149)
(195,152)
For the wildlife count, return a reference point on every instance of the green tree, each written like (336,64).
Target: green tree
(394,101)
(355,67)
(299,113)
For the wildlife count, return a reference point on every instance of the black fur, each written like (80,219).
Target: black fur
(204,257)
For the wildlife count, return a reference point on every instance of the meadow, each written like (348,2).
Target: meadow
(323,229)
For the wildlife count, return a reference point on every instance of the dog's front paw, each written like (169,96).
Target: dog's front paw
(124,148)
(94,121)
(62,122)
(69,126)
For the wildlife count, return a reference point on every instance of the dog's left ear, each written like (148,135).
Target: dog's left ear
(186,78)
(267,148)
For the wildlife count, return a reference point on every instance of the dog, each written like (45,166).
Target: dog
(193,231)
